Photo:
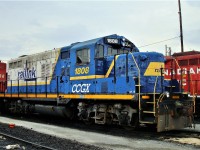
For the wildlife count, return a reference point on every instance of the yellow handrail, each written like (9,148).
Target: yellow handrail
(177,63)
(154,96)
(181,74)
(138,81)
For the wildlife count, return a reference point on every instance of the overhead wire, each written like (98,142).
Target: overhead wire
(159,42)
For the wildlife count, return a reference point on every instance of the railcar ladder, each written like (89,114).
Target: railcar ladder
(150,107)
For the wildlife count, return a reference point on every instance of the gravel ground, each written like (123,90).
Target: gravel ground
(43,139)
(6,142)
(98,136)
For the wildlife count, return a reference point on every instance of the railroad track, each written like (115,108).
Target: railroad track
(36,145)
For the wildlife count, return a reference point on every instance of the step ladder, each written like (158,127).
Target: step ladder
(148,110)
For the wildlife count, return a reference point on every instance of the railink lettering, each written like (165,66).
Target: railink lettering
(27,74)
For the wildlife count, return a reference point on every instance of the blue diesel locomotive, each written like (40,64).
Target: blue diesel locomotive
(104,81)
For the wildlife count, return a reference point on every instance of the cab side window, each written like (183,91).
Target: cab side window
(112,51)
(83,56)
(65,55)
(99,51)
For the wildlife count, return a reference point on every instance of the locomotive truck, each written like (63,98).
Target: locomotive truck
(104,81)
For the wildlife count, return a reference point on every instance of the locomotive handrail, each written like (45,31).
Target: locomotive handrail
(11,87)
(154,96)
(181,74)
(16,83)
(36,87)
(161,97)
(26,89)
(138,86)
(193,95)
(177,63)
(18,87)
(161,81)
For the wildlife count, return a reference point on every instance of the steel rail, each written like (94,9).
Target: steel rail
(27,142)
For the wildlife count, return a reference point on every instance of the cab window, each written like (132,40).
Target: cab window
(112,51)
(83,56)
(120,51)
(99,51)
(65,55)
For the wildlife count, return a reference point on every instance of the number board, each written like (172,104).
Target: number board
(112,41)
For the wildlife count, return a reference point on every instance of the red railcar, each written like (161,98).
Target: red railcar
(2,77)
(186,68)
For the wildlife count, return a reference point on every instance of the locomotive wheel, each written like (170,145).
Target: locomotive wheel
(134,124)
(135,121)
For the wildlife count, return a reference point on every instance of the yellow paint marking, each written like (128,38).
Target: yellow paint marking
(154,69)
(87,77)
(32,83)
(111,67)
(113,97)
(96,76)
(72,96)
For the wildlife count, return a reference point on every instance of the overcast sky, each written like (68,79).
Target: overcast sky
(27,27)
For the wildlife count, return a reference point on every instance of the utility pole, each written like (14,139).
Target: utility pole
(181,30)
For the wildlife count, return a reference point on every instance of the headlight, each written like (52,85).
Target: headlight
(167,94)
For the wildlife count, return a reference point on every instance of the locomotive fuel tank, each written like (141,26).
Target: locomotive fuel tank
(61,111)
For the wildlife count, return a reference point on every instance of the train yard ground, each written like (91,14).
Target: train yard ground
(63,134)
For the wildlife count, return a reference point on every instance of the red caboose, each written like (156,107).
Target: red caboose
(186,68)
(2,77)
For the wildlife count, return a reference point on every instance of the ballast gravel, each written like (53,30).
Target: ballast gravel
(42,139)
